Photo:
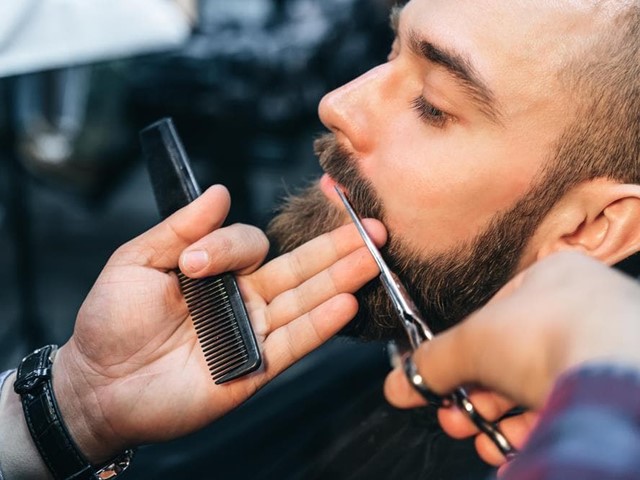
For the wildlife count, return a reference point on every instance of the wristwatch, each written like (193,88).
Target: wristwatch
(50,435)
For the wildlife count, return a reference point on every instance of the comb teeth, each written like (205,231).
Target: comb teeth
(222,325)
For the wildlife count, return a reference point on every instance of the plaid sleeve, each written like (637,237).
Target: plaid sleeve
(3,377)
(589,429)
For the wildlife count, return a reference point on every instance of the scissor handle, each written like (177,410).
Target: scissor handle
(461,399)
(490,429)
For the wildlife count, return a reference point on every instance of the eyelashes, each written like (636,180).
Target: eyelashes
(429,114)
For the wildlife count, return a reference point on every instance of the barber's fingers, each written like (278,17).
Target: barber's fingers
(456,423)
(238,248)
(307,294)
(292,341)
(492,407)
(445,363)
(346,275)
(294,268)
(461,355)
(161,246)
(567,310)
(500,347)
(399,392)
(517,430)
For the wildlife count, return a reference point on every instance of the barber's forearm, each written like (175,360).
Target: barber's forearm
(19,457)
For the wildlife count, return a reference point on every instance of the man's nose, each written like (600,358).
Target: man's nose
(351,111)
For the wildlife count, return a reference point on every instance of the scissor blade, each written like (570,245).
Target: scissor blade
(410,317)
(418,331)
(377,256)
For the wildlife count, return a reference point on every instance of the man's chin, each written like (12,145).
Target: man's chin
(308,214)
(370,325)
(446,287)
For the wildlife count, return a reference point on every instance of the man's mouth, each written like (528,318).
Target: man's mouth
(327,187)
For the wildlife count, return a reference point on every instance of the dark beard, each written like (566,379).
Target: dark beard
(446,287)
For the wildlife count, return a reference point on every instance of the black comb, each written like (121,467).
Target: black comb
(216,307)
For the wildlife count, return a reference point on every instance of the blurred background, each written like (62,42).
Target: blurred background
(242,80)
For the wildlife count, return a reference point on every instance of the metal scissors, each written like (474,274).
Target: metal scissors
(418,332)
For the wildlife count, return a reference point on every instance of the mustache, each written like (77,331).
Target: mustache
(376,319)
(446,287)
(342,166)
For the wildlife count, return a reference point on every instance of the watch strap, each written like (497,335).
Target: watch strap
(44,420)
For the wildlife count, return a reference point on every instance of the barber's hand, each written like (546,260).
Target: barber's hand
(133,371)
(564,311)
(493,407)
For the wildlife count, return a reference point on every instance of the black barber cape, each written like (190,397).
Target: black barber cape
(325,418)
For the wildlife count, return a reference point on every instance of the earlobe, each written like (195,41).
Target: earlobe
(600,219)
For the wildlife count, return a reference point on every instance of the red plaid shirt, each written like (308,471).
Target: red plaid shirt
(589,429)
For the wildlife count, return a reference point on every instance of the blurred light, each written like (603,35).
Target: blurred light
(44,34)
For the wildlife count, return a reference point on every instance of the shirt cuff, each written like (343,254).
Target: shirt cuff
(599,384)
(588,429)
(3,378)
(19,457)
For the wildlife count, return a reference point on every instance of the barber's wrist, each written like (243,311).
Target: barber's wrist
(81,408)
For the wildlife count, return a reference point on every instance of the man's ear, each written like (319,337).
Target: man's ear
(599,218)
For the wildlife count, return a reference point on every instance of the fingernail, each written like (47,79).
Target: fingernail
(195,260)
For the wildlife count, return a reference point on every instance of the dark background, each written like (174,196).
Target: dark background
(243,93)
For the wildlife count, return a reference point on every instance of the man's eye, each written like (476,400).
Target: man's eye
(430,114)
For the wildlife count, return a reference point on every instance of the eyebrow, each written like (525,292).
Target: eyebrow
(456,65)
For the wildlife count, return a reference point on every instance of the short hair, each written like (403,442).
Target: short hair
(602,78)
(603,141)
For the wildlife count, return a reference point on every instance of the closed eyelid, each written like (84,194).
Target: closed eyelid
(431,114)
(455,63)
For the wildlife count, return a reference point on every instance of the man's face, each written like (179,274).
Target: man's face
(446,139)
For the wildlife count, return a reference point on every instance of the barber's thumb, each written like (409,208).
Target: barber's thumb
(447,361)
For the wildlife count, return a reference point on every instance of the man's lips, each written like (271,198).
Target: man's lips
(327,187)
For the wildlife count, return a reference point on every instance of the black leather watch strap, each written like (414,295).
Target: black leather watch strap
(50,435)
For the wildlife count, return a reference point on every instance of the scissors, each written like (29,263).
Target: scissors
(418,332)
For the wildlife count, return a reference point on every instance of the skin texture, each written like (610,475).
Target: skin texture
(442,176)
(464,193)
(459,172)
(133,372)
(443,170)
(565,311)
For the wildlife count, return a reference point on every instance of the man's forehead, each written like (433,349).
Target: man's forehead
(511,25)
(517,46)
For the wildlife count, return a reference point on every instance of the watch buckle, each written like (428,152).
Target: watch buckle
(32,380)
